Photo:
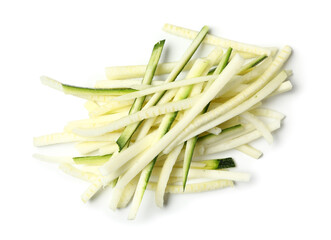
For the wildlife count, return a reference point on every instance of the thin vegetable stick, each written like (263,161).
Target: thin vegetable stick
(131,83)
(285,87)
(259,125)
(138,116)
(88,147)
(127,72)
(213,40)
(128,193)
(82,91)
(215,130)
(91,105)
(109,148)
(247,138)
(194,187)
(93,122)
(111,106)
(250,151)
(264,112)
(91,190)
(55,138)
(165,174)
(75,172)
(210,174)
(165,86)
(127,154)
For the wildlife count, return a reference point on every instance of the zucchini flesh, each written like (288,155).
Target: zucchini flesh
(92,160)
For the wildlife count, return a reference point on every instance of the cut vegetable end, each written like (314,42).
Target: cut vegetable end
(51,83)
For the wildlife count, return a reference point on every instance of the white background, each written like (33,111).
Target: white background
(72,41)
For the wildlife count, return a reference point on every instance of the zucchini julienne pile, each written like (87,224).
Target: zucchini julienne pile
(162,135)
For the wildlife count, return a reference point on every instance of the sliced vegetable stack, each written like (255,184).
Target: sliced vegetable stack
(162,135)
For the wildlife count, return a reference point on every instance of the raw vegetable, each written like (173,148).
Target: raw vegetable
(167,136)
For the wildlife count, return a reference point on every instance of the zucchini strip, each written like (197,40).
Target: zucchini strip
(250,151)
(236,142)
(109,107)
(55,138)
(264,112)
(217,41)
(77,173)
(88,147)
(132,83)
(82,91)
(137,117)
(165,174)
(165,86)
(248,67)
(209,174)
(136,71)
(259,125)
(92,160)
(194,187)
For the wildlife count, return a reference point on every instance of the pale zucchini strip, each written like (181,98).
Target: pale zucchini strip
(93,122)
(285,87)
(131,83)
(165,174)
(261,82)
(264,112)
(194,187)
(91,105)
(128,192)
(248,67)
(91,190)
(215,130)
(127,154)
(136,71)
(232,68)
(83,91)
(109,148)
(259,125)
(250,151)
(165,86)
(209,174)
(88,147)
(233,143)
(137,117)
(213,40)
(55,138)
(77,173)
(108,107)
